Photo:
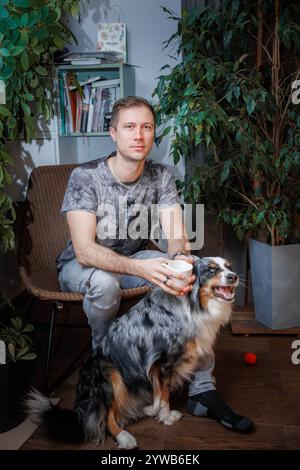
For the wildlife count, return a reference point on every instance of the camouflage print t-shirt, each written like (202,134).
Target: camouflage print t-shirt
(126,214)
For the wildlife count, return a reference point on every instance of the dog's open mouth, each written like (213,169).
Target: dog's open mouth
(225,292)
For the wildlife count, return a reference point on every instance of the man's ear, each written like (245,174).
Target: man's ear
(113,132)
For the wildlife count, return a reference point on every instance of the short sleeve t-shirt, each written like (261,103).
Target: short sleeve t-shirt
(126,214)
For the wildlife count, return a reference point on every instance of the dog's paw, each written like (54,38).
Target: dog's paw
(170,418)
(148,411)
(126,441)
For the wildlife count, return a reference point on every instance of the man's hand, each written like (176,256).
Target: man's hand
(152,270)
(187,258)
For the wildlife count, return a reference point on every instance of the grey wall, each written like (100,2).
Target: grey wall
(147,28)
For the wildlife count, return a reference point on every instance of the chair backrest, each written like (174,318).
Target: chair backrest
(44,231)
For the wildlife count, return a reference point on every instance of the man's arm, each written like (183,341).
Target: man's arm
(82,227)
(174,230)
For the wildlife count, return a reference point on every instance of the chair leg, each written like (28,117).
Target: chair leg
(55,307)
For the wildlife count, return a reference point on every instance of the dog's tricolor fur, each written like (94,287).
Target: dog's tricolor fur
(146,353)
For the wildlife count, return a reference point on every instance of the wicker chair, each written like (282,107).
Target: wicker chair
(44,234)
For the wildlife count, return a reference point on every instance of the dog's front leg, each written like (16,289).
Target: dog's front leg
(161,395)
(165,415)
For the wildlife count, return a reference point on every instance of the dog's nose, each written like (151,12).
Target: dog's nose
(232,277)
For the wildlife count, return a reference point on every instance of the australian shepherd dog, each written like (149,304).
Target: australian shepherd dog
(147,353)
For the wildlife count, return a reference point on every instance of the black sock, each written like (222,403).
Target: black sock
(211,404)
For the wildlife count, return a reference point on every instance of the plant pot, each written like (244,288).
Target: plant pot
(275,274)
(14,384)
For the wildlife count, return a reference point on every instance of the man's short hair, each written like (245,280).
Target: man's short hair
(126,103)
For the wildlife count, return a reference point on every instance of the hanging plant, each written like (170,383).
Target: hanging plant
(31,31)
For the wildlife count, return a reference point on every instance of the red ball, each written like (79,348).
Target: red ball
(250,358)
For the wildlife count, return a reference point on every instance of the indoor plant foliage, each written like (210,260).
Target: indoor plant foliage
(232,95)
(31,31)
(19,344)
(15,370)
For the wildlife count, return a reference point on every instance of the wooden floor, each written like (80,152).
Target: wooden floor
(268,392)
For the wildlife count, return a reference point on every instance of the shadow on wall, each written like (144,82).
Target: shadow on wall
(23,166)
(10,281)
(103,11)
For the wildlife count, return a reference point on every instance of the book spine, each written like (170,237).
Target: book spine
(91,111)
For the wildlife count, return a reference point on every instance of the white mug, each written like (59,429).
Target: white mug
(181,267)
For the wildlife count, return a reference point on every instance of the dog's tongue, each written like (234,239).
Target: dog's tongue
(225,291)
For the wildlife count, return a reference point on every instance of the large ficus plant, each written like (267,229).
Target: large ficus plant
(31,31)
(231,95)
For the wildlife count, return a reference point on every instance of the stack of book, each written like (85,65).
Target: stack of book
(88,109)
(89,58)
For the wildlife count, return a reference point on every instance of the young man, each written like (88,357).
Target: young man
(105,253)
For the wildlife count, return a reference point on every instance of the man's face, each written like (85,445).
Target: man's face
(134,134)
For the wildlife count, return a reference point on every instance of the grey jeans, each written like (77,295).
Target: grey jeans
(102,294)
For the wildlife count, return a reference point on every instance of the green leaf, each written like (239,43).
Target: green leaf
(11,350)
(42,33)
(74,9)
(18,50)
(28,97)
(11,23)
(11,122)
(284,150)
(41,71)
(226,170)
(22,3)
(17,322)
(28,357)
(4,52)
(260,217)
(24,19)
(58,41)
(34,82)
(4,111)
(250,103)
(28,328)
(26,108)
(32,18)
(3,13)
(24,61)
(22,351)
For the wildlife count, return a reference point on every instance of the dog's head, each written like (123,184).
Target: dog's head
(214,280)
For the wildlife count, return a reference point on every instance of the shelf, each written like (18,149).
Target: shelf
(94,110)
(86,134)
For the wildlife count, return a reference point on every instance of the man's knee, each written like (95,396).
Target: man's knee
(103,292)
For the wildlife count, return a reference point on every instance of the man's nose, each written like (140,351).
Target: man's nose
(138,133)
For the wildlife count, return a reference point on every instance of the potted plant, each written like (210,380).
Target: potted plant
(231,97)
(16,349)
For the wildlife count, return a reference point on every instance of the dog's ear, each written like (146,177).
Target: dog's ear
(198,269)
